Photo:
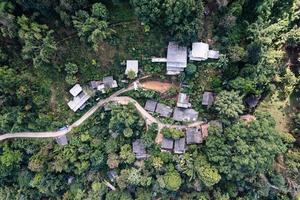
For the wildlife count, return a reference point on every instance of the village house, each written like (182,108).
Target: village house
(139,149)
(252,101)
(176,58)
(80,97)
(193,135)
(183,101)
(208,99)
(200,51)
(185,115)
(179,146)
(167,144)
(106,83)
(150,106)
(62,140)
(132,65)
(163,110)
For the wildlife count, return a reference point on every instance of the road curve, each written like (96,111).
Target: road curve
(149,119)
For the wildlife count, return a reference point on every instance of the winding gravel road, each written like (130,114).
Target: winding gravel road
(113,98)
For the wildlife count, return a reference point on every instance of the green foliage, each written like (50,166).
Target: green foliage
(126,154)
(92,28)
(229,104)
(172,133)
(252,148)
(180,19)
(131,75)
(172,180)
(207,174)
(39,44)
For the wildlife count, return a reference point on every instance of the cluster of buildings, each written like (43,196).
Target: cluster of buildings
(177,56)
(182,112)
(193,135)
(80,97)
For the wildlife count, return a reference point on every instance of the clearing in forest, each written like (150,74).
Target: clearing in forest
(157,86)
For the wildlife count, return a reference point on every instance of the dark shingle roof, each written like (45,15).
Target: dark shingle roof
(185,115)
(252,101)
(139,149)
(183,101)
(163,110)
(193,136)
(62,140)
(150,105)
(179,146)
(208,99)
(167,144)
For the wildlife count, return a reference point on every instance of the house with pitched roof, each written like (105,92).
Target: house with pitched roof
(185,115)
(183,101)
(62,140)
(150,106)
(132,65)
(193,135)
(176,58)
(167,144)
(208,99)
(139,149)
(200,51)
(179,146)
(163,110)
(80,97)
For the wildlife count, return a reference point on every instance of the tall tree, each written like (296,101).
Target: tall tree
(182,20)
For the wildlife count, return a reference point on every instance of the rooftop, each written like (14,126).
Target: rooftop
(150,105)
(193,136)
(185,115)
(139,149)
(62,140)
(75,90)
(78,101)
(163,110)
(132,65)
(183,101)
(208,98)
(213,54)
(176,58)
(252,101)
(109,82)
(95,84)
(199,51)
(179,146)
(204,130)
(167,144)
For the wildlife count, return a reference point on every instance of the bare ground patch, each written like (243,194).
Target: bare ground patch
(157,86)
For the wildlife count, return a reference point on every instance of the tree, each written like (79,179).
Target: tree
(229,104)
(172,133)
(181,19)
(93,28)
(172,180)
(126,154)
(207,174)
(71,70)
(251,147)
(113,161)
(131,74)
(38,40)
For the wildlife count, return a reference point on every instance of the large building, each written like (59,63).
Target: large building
(80,97)
(176,58)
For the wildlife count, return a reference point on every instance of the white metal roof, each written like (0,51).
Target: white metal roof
(200,50)
(78,101)
(132,65)
(75,90)
(213,54)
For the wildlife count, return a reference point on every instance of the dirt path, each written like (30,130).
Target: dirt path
(114,97)
(157,86)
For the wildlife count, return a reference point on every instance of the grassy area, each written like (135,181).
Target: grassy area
(281,110)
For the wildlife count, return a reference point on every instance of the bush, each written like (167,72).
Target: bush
(172,133)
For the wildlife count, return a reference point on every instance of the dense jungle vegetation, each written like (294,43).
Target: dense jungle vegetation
(48,46)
